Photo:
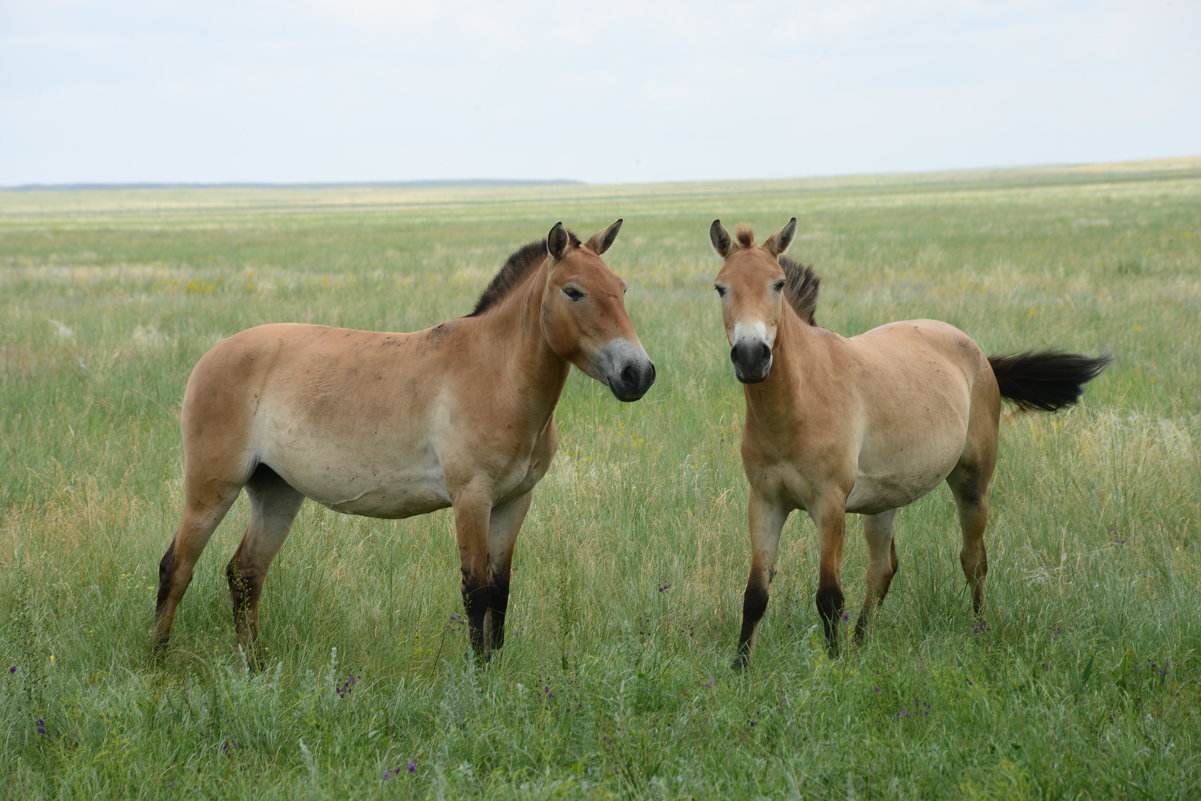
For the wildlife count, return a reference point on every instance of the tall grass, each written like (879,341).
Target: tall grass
(615,680)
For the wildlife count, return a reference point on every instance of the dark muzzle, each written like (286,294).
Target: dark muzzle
(752,361)
(633,380)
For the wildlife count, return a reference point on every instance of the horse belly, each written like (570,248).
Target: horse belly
(875,493)
(395,500)
(896,476)
(393,483)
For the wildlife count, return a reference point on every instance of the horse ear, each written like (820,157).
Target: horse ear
(720,239)
(778,242)
(603,240)
(557,242)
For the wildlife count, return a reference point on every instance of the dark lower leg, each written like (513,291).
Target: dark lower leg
(829,607)
(245,588)
(497,607)
(754,604)
(475,605)
(164,610)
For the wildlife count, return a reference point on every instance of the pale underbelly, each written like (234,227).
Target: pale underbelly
(391,474)
(389,495)
(881,487)
(417,488)
(875,490)
(871,497)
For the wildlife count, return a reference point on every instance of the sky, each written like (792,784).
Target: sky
(305,91)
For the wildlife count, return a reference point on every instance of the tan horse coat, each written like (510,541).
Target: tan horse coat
(391,425)
(867,424)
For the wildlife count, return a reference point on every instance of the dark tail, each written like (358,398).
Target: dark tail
(1046,381)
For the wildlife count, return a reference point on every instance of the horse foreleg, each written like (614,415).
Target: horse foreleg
(881,566)
(273,506)
(766,519)
(473,509)
(505,523)
(830,519)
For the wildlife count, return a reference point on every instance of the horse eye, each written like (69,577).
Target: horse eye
(778,286)
(573,294)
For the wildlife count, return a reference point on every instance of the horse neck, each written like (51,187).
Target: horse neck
(795,355)
(517,353)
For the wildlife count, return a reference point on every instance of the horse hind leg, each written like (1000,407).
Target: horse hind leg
(205,505)
(273,507)
(969,485)
(881,566)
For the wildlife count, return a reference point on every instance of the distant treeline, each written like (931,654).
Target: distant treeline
(315,185)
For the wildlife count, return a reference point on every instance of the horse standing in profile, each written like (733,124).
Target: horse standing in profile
(394,425)
(867,424)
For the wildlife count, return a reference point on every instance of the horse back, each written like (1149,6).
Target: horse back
(316,373)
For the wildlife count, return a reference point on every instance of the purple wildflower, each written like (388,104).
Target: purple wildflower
(42,726)
(664,587)
(12,669)
(345,687)
(904,713)
(846,616)
(708,685)
(981,627)
(411,767)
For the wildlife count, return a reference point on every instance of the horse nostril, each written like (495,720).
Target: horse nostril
(629,376)
(764,351)
(637,376)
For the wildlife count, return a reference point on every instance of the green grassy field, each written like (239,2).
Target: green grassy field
(615,679)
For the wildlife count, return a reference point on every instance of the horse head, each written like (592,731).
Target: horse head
(584,315)
(751,285)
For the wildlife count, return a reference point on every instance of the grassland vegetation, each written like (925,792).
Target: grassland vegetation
(614,682)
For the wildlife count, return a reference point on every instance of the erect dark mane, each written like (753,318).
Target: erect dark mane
(516,267)
(801,289)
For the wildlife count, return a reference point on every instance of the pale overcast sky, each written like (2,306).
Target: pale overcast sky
(604,92)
